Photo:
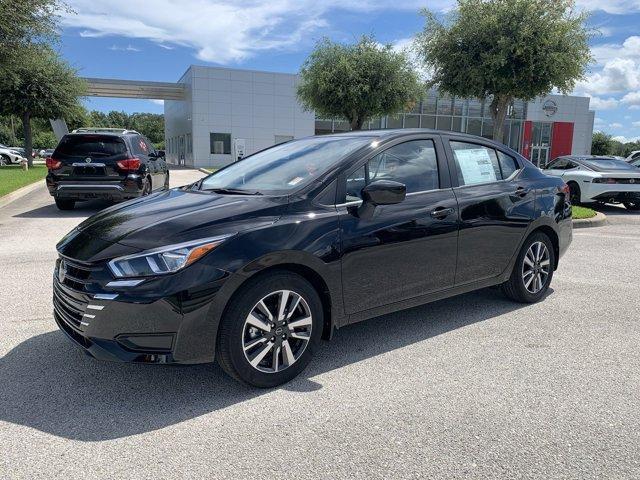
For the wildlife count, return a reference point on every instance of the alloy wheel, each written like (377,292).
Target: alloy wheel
(536,267)
(277,331)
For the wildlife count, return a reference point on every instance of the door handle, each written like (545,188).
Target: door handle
(522,192)
(442,212)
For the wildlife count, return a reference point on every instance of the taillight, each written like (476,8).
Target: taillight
(129,165)
(604,180)
(52,163)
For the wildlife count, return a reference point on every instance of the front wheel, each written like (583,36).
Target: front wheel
(533,270)
(146,187)
(632,205)
(5,160)
(270,330)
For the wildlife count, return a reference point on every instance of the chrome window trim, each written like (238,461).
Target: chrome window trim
(359,202)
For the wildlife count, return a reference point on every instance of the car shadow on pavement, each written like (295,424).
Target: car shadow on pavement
(81,210)
(50,385)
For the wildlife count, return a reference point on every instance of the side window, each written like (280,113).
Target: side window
(139,146)
(508,164)
(476,163)
(412,163)
(560,164)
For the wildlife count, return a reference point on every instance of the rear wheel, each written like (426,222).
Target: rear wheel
(574,193)
(270,330)
(65,204)
(533,270)
(146,188)
(632,205)
(5,160)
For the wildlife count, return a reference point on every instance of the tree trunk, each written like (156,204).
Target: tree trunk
(356,122)
(499,108)
(28,141)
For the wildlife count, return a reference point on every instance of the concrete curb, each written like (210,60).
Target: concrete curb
(21,192)
(597,221)
(204,171)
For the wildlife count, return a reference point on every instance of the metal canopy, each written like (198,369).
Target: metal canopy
(106,87)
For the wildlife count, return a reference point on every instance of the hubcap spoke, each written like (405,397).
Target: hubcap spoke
(250,345)
(303,322)
(256,322)
(276,359)
(261,354)
(287,353)
(300,335)
(284,299)
(294,305)
(265,310)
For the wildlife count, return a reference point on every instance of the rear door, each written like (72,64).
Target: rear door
(404,250)
(90,157)
(145,151)
(496,207)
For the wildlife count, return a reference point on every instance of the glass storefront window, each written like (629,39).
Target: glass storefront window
(487,128)
(443,123)
(394,121)
(376,124)
(474,126)
(460,107)
(428,121)
(445,105)
(412,121)
(514,135)
(323,127)
(457,124)
(475,108)
(341,126)
(429,103)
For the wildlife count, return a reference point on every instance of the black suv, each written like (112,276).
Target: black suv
(105,163)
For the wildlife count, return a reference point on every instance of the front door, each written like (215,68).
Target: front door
(540,156)
(405,250)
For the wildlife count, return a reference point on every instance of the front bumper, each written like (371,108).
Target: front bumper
(145,324)
(115,190)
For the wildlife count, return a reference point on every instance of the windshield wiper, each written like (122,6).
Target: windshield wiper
(230,191)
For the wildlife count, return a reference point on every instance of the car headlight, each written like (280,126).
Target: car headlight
(163,260)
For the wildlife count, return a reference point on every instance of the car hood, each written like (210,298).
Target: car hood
(166,218)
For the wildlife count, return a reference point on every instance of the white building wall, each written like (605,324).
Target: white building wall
(250,105)
(178,127)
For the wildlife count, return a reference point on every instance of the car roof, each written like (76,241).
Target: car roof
(387,134)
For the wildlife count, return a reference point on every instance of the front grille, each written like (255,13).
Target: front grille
(76,275)
(70,309)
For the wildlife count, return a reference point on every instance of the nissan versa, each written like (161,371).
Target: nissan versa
(254,264)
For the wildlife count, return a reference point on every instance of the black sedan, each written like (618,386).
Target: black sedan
(257,262)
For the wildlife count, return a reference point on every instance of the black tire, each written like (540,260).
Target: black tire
(574,193)
(166,181)
(515,288)
(232,340)
(65,204)
(147,188)
(635,206)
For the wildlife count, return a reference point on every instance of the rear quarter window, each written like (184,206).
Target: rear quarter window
(91,146)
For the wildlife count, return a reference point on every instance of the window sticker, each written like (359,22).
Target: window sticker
(475,165)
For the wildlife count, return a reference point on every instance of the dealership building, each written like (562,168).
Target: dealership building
(214,115)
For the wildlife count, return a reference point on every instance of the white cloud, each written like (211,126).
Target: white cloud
(597,103)
(604,52)
(222,31)
(617,7)
(615,125)
(157,102)
(636,124)
(632,99)
(128,48)
(624,139)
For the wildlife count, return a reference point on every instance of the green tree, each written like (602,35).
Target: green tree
(41,86)
(358,81)
(601,144)
(505,49)
(24,22)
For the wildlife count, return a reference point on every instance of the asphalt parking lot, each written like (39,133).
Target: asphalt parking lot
(474,386)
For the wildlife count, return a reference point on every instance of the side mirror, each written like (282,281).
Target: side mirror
(161,153)
(384,192)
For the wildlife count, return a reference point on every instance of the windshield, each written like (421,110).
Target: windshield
(609,164)
(286,167)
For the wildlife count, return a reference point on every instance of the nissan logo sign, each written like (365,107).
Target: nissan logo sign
(549,108)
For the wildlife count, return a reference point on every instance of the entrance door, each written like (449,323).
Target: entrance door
(540,143)
(540,156)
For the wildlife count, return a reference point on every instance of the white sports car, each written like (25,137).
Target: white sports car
(598,179)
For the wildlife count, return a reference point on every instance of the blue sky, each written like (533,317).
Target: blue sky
(158,39)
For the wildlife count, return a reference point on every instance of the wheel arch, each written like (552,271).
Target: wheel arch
(555,240)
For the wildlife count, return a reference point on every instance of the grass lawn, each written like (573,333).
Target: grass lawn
(582,212)
(12,177)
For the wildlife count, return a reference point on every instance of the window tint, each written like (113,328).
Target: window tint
(412,163)
(220,143)
(558,164)
(104,147)
(508,164)
(476,163)
(140,146)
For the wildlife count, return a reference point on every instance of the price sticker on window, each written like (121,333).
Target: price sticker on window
(475,165)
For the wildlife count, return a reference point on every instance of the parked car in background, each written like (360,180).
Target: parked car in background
(9,155)
(107,163)
(593,178)
(47,152)
(633,156)
(253,264)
